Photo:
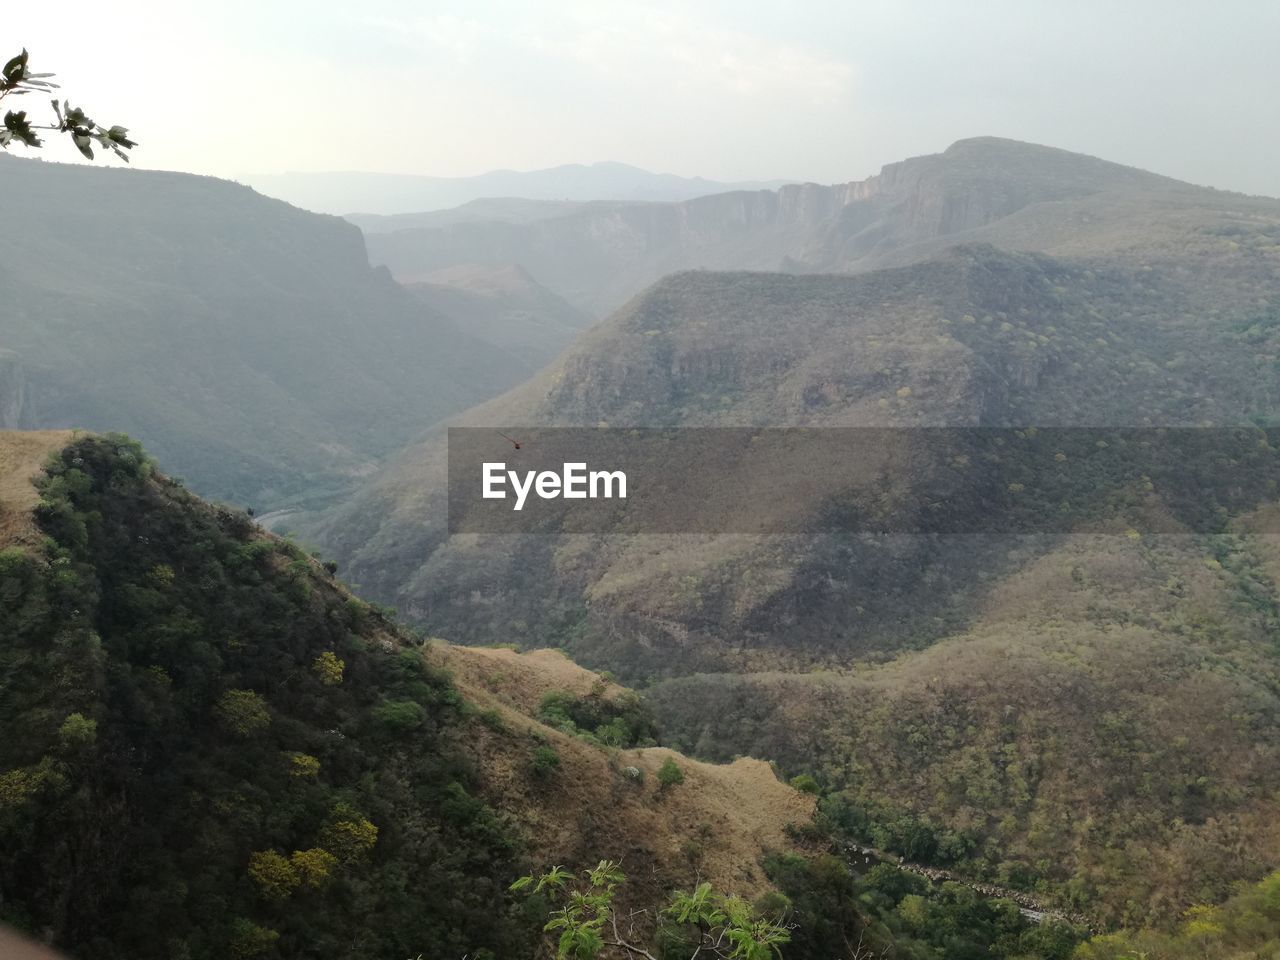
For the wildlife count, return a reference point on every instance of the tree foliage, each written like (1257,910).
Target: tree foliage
(17,79)
(175,778)
(1246,925)
(621,720)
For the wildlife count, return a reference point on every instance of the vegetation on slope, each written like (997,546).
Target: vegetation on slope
(1246,926)
(1106,734)
(211,752)
(214,751)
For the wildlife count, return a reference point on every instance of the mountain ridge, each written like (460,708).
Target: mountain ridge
(978,190)
(180,308)
(391,194)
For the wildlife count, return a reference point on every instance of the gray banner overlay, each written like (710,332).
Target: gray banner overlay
(862,480)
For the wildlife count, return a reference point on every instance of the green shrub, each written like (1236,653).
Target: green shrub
(805,783)
(544,763)
(669,774)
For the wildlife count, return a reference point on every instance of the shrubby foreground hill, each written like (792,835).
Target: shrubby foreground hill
(246,341)
(213,750)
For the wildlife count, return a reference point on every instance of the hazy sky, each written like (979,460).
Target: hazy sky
(825,91)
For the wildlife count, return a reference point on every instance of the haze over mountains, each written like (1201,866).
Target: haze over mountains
(1016,195)
(1160,295)
(246,341)
(387,193)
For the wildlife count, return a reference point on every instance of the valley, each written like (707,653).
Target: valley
(1007,698)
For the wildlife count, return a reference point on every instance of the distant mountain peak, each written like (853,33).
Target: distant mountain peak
(1001,154)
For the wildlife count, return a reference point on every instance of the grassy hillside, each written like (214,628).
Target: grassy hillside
(245,341)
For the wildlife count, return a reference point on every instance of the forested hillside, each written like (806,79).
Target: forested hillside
(218,751)
(214,750)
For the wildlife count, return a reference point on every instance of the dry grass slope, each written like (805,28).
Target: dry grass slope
(22,456)
(715,825)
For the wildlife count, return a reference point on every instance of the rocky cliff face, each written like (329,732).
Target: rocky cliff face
(599,255)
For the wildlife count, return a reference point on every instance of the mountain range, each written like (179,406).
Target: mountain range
(390,194)
(994,284)
(1014,195)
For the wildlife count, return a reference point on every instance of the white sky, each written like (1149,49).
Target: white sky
(810,89)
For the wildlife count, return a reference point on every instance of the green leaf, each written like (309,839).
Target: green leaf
(16,68)
(18,127)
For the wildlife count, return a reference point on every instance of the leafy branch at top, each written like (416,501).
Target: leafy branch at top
(17,79)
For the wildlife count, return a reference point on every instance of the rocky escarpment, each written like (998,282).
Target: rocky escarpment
(600,254)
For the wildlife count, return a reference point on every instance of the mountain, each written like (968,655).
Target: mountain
(246,341)
(1014,195)
(977,338)
(390,194)
(1104,725)
(1022,707)
(215,750)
